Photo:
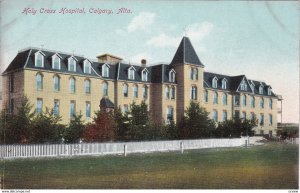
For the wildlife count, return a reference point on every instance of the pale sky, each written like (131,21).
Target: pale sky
(258,39)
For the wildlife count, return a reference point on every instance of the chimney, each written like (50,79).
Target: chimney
(109,58)
(143,62)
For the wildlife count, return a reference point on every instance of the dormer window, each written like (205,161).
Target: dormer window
(215,82)
(55,62)
(131,73)
(39,59)
(144,75)
(224,83)
(172,76)
(269,91)
(105,70)
(87,67)
(244,85)
(252,87)
(72,64)
(261,90)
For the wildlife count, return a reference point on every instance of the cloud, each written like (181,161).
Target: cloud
(141,22)
(196,32)
(163,40)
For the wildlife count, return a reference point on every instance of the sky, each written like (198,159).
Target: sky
(259,39)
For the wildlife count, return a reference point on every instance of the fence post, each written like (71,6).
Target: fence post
(125,150)
(181,146)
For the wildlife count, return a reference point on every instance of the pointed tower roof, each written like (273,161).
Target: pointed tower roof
(186,54)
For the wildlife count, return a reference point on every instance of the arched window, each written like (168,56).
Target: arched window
(269,91)
(224,116)
(215,115)
(39,59)
(72,64)
(244,100)
(167,92)
(270,103)
(39,81)
(105,70)
(224,99)
(87,67)
(215,82)
(195,74)
(131,73)
(55,62)
(252,101)
(172,92)
(72,85)
(261,103)
(87,85)
(206,96)
(172,76)
(261,90)
(104,89)
(145,92)
(144,75)
(270,119)
(135,91)
(125,90)
(56,82)
(215,98)
(224,84)
(194,93)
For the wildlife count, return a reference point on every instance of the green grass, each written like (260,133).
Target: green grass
(269,166)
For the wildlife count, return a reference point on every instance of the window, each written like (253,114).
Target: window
(215,115)
(105,70)
(270,103)
(252,101)
(194,74)
(125,108)
(11,83)
(244,115)
(172,92)
(244,85)
(135,91)
(11,105)
(215,98)
(194,93)
(215,82)
(244,100)
(87,109)
(87,67)
(270,119)
(39,59)
(104,89)
(224,116)
(224,83)
(144,75)
(261,120)
(172,76)
(145,92)
(72,64)
(224,99)
(206,96)
(131,73)
(87,85)
(237,114)
(167,92)
(39,81)
(252,116)
(39,106)
(170,114)
(72,109)
(56,83)
(72,85)
(236,99)
(56,107)
(191,73)
(269,91)
(55,62)
(261,90)
(252,87)
(125,90)
(261,103)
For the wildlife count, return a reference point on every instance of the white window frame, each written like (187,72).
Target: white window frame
(135,89)
(215,82)
(131,70)
(105,70)
(261,89)
(87,63)
(172,78)
(53,62)
(58,83)
(224,83)
(194,93)
(144,76)
(69,64)
(35,59)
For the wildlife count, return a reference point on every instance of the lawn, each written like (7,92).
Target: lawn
(268,166)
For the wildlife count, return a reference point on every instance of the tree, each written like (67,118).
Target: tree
(122,121)
(75,129)
(195,123)
(102,129)
(46,128)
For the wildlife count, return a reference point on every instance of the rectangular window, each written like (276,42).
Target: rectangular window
(224,116)
(56,107)
(215,116)
(145,92)
(39,106)
(237,114)
(270,119)
(72,109)
(261,120)
(87,109)
(135,92)
(236,99)
(170,114)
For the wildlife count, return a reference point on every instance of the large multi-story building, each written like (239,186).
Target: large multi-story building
(70,84)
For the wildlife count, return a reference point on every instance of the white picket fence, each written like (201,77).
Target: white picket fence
(57,150)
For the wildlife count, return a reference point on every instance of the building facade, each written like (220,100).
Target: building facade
(70,84)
